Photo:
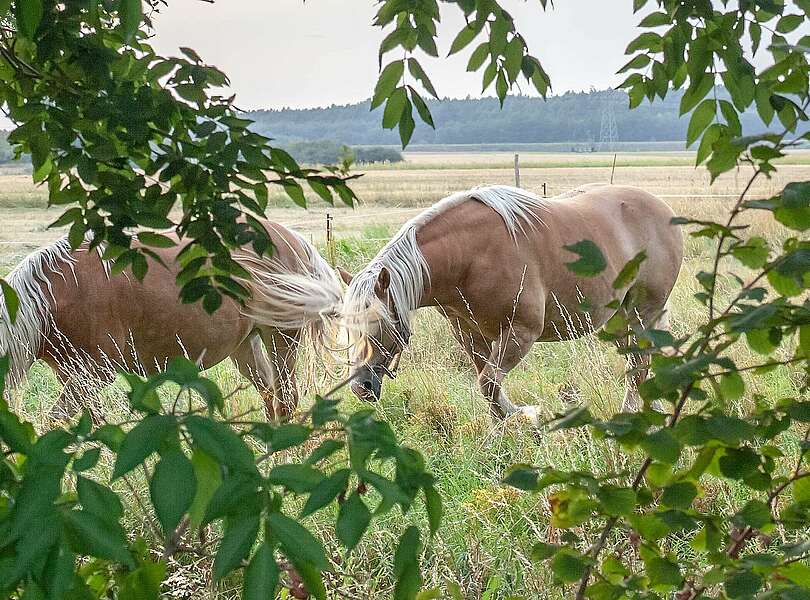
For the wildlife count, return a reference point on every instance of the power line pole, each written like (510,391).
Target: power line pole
(609,131)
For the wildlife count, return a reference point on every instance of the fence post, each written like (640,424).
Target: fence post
(613,170)
(545,194)
(517,170)
(330,242)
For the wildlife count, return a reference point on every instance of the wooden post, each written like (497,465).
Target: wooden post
(330,242)
(517,170)
(545,193)
(613,170)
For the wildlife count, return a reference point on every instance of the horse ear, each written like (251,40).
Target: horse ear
(383,281)
(345,275)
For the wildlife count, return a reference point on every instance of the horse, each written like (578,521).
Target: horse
(492,261)
(87,324)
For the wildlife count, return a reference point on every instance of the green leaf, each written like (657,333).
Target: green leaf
(788,23)
(144,439)
(352,521)
(99,500)
(662,446)
(679,495)
(406,565)
(29,16)
(387,82)
(208,475)
(754,514)
(261,575)
(419,74)
(131,13)
(522,477)
(696,92)
(298,543)
(326,491)
(568,566)
(801,489)
(143,583)
(663,573)
(394,108)
(300,478)
(156,240)
(220,441)
(12,301)
(433,505)
(172,488)
(591,261)
(629,272)
(753,253)
(463,38)
(240,533)
(701,118)
(742,584)
(732,386)
(617,500)
(91,535)
(478,57)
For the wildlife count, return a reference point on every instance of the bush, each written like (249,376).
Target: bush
(61,515)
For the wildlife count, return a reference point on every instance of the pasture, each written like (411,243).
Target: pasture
(484,544)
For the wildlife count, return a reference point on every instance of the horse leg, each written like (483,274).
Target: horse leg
(505,354)
(253,364)
(283,349)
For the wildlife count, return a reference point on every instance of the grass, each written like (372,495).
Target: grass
(488,531)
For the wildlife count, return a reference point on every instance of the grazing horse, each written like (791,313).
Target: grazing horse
(492,261)
(87,324)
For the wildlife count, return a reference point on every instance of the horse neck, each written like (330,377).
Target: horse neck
(447,257)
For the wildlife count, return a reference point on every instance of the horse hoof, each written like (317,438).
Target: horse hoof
(530,414)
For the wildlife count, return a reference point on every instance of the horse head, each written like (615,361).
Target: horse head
(377,334)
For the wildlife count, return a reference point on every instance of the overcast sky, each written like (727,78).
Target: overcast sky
(287,53)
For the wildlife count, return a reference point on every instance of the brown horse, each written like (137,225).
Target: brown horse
(87,324)
(492,260)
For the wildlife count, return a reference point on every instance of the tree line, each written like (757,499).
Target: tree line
(570,117)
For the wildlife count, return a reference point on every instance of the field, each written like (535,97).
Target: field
(485,541)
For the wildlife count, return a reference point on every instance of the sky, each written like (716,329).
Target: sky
(291,53)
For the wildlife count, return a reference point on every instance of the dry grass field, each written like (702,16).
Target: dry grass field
(485,541)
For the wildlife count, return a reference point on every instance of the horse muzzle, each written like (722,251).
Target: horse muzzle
(367,385)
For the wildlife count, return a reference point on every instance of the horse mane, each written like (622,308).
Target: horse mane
(406,265)
(23,339)
(307,295)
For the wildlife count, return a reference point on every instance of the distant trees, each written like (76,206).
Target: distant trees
(570,117)
(328,152)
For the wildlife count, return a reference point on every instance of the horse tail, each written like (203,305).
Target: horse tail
(23,339)
(304,296)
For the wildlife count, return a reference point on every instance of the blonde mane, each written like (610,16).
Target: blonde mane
(407,267)
(23,340)
(307,296)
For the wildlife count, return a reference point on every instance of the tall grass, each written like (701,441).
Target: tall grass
(488,531)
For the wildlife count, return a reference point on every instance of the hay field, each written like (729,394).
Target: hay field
(485,541)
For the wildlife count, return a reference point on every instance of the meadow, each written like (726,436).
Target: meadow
(484,544)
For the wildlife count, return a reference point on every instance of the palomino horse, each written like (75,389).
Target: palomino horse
(492,260)
(87,324)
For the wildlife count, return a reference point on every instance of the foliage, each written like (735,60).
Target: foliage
(411,26)
(122,136)
(203,472)
(574,117)
(644,514)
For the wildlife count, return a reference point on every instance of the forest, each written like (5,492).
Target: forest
(571,117)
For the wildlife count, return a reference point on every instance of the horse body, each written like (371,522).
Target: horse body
(496,268)
(87,325)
